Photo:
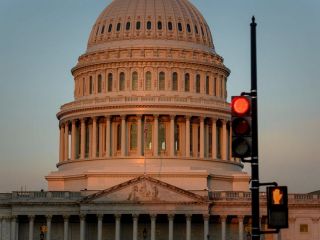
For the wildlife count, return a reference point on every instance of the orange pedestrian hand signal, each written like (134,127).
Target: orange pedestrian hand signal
(277,196)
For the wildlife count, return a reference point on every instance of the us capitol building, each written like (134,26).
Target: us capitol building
(145,147)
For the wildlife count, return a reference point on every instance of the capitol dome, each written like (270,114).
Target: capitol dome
(149,99)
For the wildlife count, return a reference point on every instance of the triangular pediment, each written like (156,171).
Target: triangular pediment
(144,189)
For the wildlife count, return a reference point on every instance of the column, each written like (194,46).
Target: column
(61,155)
(123,136)
(171,219)
(172,144)
(187,136)
(230,145)
(100,127)
(240,220)
(49,218)
(156,138)
(82,226)
(202,137)
(73,140)
(118,221)
(65,227)
(13,227)
(135,226)
(31,226)
(100,218)
(83,139)
(139,145)
(206,218)
(94,137)
(223,227)
(224,140)
(108,136)
(66,142)
(153,226)
(214,138)
(188,229)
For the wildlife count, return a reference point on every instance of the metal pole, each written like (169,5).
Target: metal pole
(255,163)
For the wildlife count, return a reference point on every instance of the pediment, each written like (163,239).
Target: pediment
(144,189)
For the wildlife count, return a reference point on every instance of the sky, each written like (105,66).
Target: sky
(41,40)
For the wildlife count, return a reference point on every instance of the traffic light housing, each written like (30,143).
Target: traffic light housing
(241,110)
(277,201)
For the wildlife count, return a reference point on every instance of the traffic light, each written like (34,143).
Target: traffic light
(241,126)
(277,200)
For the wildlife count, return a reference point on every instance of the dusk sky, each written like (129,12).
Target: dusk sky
(41,40)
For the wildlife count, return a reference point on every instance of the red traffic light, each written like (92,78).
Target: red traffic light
(240,105)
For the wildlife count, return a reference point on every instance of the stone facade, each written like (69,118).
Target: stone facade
(145,147)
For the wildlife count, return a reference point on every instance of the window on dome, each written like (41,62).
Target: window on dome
(97,31)
(134,83)
(138,25)
(188,28)
(133,136)
(148,135)
(83,86)
(128,26)
(162,81)
(122,81)
(110,27)
(118,27)
(221,89)
(102,30)
(110,82)
(118,137)
(159,25)
(215,86)
(148,25)
(219,136)
(196,29)
(177,137)
(198,83)
(207,84)
(148,81)
(180,27)
(202,32)
(162,136)
(174,81)
(170,26)
(99,83)
(90,85)
(187,82)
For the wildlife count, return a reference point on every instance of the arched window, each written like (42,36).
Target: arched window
(133,136)
(83,86)
(91,85)
(118,27)
(110,27)
(198,83)
(148,25)
(128,26)
(110,82)
(196,29)
(162,80)
(215,86)
(202,32)
(207,85)
(134,81)
(188,28)
(102,30)
(99,83)
(219,138)
(170,26)
(174,81)
(187,82)
(148,81)
(221,88)
(118,137)
(138,25)
(122,83)
(159,25)
(162,137)
(180,27)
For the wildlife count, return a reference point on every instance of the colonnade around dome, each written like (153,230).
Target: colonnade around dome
(145,135)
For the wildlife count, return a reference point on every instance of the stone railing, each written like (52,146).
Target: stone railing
(27,195)
(153,100)
(246,196)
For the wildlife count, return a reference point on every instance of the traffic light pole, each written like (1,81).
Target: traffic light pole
(255,183)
